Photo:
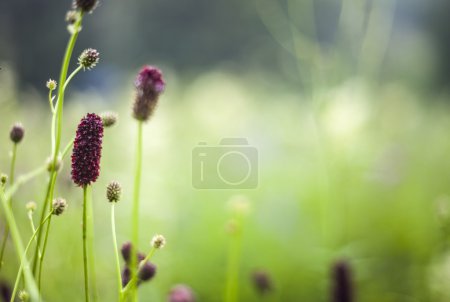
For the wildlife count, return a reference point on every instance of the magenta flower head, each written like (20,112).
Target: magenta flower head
(87,150)
(181,293)
(149,85)
(342,290)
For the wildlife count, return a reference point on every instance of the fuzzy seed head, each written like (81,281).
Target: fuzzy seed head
(86,6)
(3,179)
(89,58)
(24,296)
(342,284)
(109,118)
(59,206)
(51,84)
(262,282)
(149,85)
(113,191)
(87,150)
(31,206)
(181,293)
(71,17)
(17,132)
(146,271)
(158,241)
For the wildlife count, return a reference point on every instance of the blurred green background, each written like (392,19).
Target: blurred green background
(346,102)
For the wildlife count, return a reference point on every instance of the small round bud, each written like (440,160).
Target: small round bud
(3,179)
(59,206)
(126,251)
(86,6)
(146,271)
(113,191)
(126,276)
(262,282)
(149,85)
(24,296)
(109,118)
(71,17)
(16,133)
(158,241)
(89,58)
(181,293)
(31,206)
(57,167)
(51,84)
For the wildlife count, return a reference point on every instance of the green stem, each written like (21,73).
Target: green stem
(17,240)
(91,249)
(24,257)
(11,178)
(23,179)
(71,76)
(131,286)
(50,101)
(85,256)
(67,149)
(135,210)
(116,250)
(33,229)
(234,253)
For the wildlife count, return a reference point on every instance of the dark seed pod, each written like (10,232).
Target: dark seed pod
(87,150)
(146,271)
(126,251)
(86,6)
(126,276)
(17,132)
(181,293)
(262,282)
(342,282)
(149,85)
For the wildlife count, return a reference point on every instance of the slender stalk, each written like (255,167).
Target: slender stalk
(33,229)
(116,251)
(11,178)
(72,75)
(135,210)
(91,249)
(67,149)
(85,256)
(234,253)
(17,240)
(24,257)
(50,101)
(131,286)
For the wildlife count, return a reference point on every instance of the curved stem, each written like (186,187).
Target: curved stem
(15,235)
(33,229)
(71,76)
(50,101)
(85,256)
(11,178)
(19,273)
(135,210)
(67,149)
(116,250)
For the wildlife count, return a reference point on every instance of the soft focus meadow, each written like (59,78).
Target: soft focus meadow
(352,135)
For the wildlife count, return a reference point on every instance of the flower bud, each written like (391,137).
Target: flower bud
(87,150)
(181,293)
(57,167)
(24,296)
(3,179)
(113,191)
(86,6)
(109,118)
(51,84)
(126,251)
(126,276)
(71,17)
(149,85)
(59,206)
(158,241)
(16,133)
(262,282)
(31,206)
(89,58)
(146,271)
